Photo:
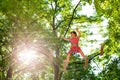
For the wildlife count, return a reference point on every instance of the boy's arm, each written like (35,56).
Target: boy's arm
(67,39)
(78,32)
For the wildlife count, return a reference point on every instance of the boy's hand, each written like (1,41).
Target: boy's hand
(77,29)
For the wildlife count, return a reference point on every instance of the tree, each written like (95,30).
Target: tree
(40,24)
(21,28)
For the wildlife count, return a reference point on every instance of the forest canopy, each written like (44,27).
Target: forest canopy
(32,45)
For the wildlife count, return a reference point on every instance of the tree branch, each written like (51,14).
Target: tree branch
(71,18)
(59,24)
(54,15)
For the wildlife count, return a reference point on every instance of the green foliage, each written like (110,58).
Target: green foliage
(110,9)
(39,21)
(111,71)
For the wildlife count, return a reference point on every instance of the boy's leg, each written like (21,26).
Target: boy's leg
(64,65)
(85,57)
(68,57)
(86,61)
(66,61)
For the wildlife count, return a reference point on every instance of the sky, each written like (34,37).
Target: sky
(87,9)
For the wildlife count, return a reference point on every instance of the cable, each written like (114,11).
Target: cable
(97,64)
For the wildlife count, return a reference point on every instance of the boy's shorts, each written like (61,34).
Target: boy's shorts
(74,49)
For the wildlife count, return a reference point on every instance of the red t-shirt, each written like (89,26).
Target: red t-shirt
(74,45)
(74,40)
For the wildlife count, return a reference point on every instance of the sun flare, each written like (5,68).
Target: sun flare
(27,56)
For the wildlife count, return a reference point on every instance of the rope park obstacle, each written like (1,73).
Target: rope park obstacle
(101,52)
(74,41)
(82,61)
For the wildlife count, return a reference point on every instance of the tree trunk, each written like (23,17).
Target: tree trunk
(9,73)
(56,72)
(60,76)
(56,66)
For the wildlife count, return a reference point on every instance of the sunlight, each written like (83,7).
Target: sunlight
(27,56)
(87,10)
